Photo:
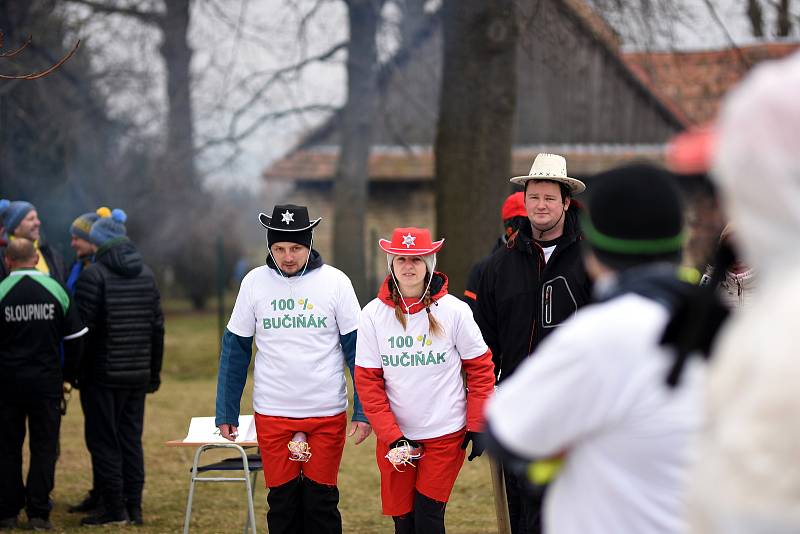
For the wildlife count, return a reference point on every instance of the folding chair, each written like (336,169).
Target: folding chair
(249,465)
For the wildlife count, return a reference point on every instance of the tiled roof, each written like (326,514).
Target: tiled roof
(391,164)
(693,83)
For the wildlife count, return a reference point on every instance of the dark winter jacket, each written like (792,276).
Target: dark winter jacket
(58,269)
(119,302)
(475,274)
(521,299)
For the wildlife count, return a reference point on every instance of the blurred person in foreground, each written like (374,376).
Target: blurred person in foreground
(514,216)
(749,480)
(415,341)
(739,284)
(303,315)
(22,220)
(528,289)
(119,301)
(36,315)
(596,392)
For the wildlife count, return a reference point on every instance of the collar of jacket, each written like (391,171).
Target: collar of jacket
(438,289)
(656,281)
(522,239)
(314,262)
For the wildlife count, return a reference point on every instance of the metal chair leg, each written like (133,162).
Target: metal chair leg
(188,516)
(250,503)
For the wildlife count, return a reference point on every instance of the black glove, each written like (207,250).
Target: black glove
(153,386)
(477,445)
(398,442)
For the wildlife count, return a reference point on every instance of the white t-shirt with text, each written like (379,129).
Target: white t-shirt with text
(422,372)
(299,366)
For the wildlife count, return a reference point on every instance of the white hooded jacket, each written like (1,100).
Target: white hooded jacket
(748,479)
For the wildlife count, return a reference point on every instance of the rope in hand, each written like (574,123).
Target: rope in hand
(403,454)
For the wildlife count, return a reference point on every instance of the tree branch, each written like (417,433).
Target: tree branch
(233,138)
(277,75)
(145,16)
(18,50)
(42,74)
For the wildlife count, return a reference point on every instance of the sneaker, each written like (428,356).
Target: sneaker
(39,523)
(9,523)
(87,505)
(106,518)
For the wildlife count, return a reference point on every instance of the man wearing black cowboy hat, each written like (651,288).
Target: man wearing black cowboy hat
(303,315)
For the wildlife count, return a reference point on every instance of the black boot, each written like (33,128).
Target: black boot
(105,518)
(428,515)
(135,514)
(87,505)
(321,507)
(404,524)
(112,513)
(285,514)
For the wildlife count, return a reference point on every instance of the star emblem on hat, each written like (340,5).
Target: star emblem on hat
(287,217)
(408,240)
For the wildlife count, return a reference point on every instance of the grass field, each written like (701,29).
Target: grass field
(188,389)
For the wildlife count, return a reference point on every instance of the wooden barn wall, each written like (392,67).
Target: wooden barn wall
(571,90)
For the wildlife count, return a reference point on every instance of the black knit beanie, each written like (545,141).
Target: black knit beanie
(635,217)
(277,236)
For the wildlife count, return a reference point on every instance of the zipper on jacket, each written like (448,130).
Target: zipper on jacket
(530,342)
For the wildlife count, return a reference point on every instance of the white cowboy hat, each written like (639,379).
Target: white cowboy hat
(551,167)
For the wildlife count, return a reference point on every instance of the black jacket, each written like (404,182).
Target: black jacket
(475,274)
(119,302)
(521,299)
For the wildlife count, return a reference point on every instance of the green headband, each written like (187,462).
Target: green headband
(618,245)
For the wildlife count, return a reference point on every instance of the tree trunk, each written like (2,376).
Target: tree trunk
(352,172)
(756,17)
(412,21)
(784,23)
(475,130)
(179,150)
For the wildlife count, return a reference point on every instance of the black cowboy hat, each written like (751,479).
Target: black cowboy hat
(288,218)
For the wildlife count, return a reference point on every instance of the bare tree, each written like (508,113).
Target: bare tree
(173,23)
(352,172)
(755,14)
(474,136)
(784,21)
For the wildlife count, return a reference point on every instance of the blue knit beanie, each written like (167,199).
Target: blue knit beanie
(82,225)
(107,228)
(4,203)
(15,212)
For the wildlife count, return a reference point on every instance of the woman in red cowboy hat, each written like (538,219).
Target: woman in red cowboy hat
(414,340)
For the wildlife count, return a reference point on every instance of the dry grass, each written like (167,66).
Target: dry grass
(188,389)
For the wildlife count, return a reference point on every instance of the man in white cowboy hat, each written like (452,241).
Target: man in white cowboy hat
(605,391)
(531,286)
(303,315)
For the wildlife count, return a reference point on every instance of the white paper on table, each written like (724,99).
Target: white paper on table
(203,430)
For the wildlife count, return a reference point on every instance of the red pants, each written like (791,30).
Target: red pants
(434,475)
(325,436)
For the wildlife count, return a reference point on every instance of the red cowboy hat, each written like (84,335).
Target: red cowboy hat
(411,242)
